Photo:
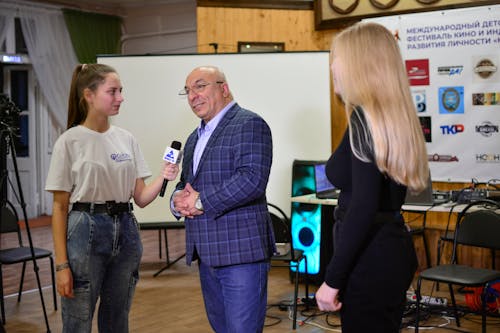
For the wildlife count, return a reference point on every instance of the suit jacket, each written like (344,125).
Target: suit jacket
(232,177)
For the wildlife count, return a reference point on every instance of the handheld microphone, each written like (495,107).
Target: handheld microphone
(172,154)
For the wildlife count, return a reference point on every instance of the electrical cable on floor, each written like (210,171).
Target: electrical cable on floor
(282,305)
(317,313)
(331,324)
(311,314)
(448,321)
(439,312)
(441,328)
(276,321)
(313,323)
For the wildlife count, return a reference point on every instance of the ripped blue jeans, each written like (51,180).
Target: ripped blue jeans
(104,253)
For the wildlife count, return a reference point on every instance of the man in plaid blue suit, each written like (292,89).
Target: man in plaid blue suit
(222,195)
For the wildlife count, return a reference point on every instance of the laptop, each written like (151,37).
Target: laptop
(424,198)
(324,189)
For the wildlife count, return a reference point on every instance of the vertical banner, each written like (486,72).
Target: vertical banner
(452,59)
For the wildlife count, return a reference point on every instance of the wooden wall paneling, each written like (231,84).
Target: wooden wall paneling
(338,118)
(294,27)
(227,26)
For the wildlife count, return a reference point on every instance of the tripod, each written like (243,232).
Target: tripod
(6,143)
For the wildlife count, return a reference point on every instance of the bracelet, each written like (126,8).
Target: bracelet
(62,266)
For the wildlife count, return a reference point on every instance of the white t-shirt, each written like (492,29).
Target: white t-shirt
(96,167)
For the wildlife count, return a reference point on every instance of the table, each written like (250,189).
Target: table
(448,207)
(312,199)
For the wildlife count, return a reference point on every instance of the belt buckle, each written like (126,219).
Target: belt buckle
(112,208)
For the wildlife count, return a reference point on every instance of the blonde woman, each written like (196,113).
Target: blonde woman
(381,156)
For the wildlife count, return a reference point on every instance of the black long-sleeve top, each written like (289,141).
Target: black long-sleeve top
(364,192)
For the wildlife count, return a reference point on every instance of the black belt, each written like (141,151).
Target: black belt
(110,207)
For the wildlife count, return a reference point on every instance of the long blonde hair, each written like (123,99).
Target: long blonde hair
(374,87)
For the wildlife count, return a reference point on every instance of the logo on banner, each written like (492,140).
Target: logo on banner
(425,123)
(485,68)
(419,100)
(441,158)
(487,129)
(450,70)
(488,158)
(451,100)
(489,98)
(452,129)
(418,72)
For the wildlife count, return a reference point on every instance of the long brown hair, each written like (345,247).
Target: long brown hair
(373,81)
(85,76)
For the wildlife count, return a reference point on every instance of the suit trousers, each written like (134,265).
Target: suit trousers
(235,296)
(375,295)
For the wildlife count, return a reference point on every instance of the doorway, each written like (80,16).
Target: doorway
(19,86)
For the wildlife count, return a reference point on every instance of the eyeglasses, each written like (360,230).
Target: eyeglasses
(197,88)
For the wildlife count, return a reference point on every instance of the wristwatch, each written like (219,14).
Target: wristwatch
(197,204)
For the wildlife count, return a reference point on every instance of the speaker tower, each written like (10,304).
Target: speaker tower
(311,223)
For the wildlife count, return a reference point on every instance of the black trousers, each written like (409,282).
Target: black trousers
(375,295)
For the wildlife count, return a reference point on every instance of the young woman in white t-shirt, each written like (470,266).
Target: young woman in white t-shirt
(96,168)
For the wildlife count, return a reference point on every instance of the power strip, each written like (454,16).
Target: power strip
(440,301)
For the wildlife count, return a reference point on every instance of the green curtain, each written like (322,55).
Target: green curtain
(93,34)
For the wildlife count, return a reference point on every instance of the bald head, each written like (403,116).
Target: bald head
(208,91)
(216,72)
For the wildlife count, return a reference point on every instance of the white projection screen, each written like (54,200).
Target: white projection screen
(290,90)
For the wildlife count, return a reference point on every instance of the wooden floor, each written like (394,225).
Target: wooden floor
(172,301)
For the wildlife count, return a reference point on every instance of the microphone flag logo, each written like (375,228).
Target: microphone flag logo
(171,155)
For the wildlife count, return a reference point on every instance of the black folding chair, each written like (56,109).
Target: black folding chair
(20,254)
(479,228)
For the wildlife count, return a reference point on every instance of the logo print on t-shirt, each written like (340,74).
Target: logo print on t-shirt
(120,157)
